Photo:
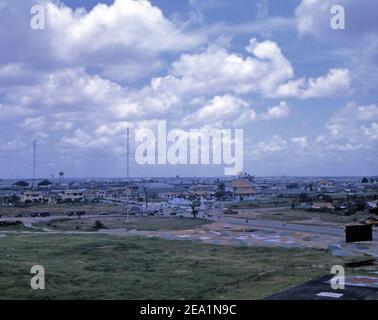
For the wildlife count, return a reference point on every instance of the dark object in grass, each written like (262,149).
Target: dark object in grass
(10,223)
(40,214)
(360,263)
(98,225)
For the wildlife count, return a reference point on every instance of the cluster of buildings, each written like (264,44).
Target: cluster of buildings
(306,192)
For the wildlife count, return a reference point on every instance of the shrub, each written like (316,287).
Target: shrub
(98,225)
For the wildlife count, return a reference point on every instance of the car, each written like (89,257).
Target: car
(40,214)
(75,213)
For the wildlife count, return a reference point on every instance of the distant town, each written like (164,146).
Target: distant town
(340,195)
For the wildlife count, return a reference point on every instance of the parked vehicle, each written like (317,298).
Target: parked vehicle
(75,213)
(40,214)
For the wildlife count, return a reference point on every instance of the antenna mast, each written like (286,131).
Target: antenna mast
(128,153)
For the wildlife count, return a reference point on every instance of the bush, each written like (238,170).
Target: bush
(98,225)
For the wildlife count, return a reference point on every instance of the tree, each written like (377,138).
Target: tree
(303,197)
(246,176)
(221,192)
(194,205)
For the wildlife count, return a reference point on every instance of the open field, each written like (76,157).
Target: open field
(138,223)
(60,209)
(103,267)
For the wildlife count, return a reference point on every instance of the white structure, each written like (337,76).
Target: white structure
(33,196)
(179,202)
(71,195)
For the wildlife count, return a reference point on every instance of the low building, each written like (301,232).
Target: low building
(203,190)
(371,207)
(326,185)
(33,197)
(243,189)
(71,195)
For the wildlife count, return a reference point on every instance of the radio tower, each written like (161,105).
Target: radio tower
(34,159)
(128,153)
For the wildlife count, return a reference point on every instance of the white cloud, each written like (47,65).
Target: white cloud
(266,72)
(222,111)
(216,70)
(367,113)
(337,82)
(346,121)
(123,41)
(129,33)
(279,111)
(266,148)
(370,132)
(302,142)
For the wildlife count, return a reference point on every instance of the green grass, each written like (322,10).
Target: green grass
(138,223)
(104,267)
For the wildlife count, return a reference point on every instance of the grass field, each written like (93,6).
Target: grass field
(104,267)
(138,223)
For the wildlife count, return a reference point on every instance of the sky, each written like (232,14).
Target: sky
(304,93)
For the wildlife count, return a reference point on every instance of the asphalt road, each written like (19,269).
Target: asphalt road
(311,289)
(262,224)
(283,226)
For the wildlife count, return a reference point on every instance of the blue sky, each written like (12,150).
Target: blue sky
(305,94)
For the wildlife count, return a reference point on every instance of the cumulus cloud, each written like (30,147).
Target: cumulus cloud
(71,82)
(266,148)
(351,128)
(279,111)
(266,72)
(302,142)
(216,69)
(337,82)
(123,40)
(222,111)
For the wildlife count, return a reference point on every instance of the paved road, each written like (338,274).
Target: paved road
(282,226)
(311,290)
(263,224)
